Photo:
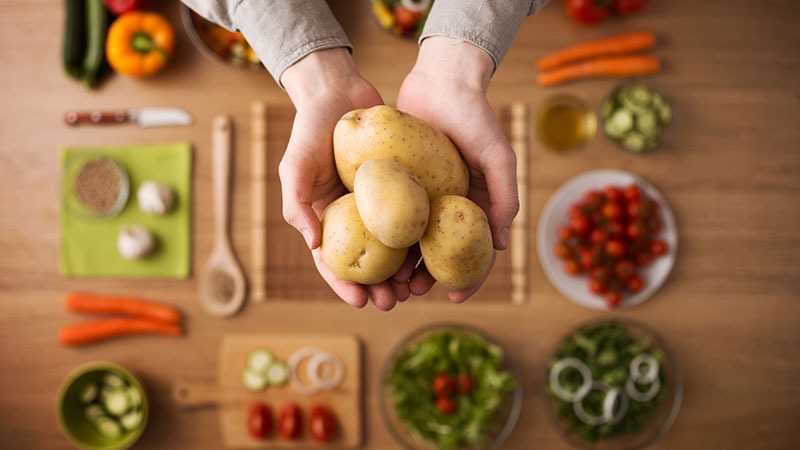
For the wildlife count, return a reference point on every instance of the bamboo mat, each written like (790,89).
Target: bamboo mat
(290,271)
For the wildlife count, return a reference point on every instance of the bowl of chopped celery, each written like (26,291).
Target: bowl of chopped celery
(612,384)
(638,115)
(449,386)
(101,406)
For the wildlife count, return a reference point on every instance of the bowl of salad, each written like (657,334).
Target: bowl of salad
(638,115)
(449,386)
(612,384)
(401,18)
(217,43)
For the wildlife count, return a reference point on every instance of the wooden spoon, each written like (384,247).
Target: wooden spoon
(222,287)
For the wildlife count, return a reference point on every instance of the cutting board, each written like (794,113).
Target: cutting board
(233,400)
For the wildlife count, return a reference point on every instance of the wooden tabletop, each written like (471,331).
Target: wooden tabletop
(730,309)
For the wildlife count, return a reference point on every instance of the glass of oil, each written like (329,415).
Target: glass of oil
(566,123)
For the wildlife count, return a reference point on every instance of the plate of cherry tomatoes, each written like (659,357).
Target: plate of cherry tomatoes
(607,239)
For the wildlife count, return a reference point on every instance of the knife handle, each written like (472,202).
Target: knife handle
(93,117)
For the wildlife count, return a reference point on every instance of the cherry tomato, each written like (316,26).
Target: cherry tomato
(586,256)
(636,210)
(445,405)
(562,251)
(443,385)
(653,224)
(259,420)
(600,273)
(594,199)
(597,236)
(615,248)
(465,383)
(579,225)
(614,228)
(631,193)
(596,286)
(576,210)
(636,230)
(564,233)
(644,258)
(612,211)
(625,7)
(613,298)
(322,424)
(406,18)
(658,248)
(289,421)
(587,12)
(624,269)
(613,193)
(635,284)
(572,267)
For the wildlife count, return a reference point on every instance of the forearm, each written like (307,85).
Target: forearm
(454,61)
(318,73)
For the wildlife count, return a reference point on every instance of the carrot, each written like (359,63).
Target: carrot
(107,304)
(618,67)
(97,330)
(614,45)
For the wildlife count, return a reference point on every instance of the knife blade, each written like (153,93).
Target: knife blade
(144,117)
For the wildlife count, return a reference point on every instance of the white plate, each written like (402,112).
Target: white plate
(556,215)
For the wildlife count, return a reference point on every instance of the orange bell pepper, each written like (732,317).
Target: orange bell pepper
(139,43)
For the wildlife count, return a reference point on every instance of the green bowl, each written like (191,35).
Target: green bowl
(69,409)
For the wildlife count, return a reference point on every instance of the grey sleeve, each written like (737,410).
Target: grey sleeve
(280,31)
(488,24)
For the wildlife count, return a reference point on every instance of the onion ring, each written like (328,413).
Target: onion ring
(609,415)
(325,382)
(555,384)
(586,418)
(636,394)
(294,361)
(651,372)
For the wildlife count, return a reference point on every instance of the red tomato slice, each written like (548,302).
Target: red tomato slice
(322,424)
(290,422)
(259,421)
(445,405)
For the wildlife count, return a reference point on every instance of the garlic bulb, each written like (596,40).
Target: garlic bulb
(135,242)
(155,198)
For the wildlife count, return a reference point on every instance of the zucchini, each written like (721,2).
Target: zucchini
(135,397)
(113,381)
(117,402)
(88,393)
(74,38)
(93,412)
(253,380)
(131,420)
(647,124)
(108,427)
(96,28)
(619,122)
(277,374)
(259,360)
(640,95)
(633,141)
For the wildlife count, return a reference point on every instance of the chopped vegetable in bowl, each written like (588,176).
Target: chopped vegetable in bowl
(449,387)
(404,18)
(636,115)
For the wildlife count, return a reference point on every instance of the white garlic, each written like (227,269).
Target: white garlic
(135,242)
(155,197)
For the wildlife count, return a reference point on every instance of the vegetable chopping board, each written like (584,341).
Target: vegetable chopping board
(233,399)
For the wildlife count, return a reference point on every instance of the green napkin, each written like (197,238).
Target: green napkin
(89,246)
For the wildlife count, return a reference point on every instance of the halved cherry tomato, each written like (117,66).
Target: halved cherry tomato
(322,424)
(579,225)
(259,420)
(615,248)
(635,284)
(572,267)
(443,385)
(658,248)
(631,193)
(445,405)
(612,211)
(624,269)
(290,422)
(465,383)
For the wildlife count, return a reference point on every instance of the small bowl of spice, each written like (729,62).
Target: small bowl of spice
(94,186)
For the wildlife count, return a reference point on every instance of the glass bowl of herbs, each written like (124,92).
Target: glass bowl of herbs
(449,386)
(612,384)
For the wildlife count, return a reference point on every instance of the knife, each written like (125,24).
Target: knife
(144,117)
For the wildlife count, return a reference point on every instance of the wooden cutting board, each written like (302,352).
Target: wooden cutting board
(233,400)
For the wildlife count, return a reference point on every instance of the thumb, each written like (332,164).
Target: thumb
(297,185)
(500,173)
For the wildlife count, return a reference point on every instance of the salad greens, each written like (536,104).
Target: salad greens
(450,352)
(607,350)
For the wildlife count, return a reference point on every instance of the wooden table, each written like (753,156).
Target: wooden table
(731,308)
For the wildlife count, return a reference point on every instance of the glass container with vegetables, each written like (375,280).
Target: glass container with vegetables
(637,115)
(403,18)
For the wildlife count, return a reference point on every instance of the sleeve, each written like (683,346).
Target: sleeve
(281,32)
(488,24)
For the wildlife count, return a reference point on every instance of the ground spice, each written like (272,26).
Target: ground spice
(97,185)
(221,285)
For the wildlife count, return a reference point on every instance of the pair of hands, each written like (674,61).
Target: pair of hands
(446,87)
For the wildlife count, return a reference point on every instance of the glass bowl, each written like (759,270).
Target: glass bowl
(565,123)
(509,408)
(72,205)
(383,11)
(653,427)
(666,131)
(217,43)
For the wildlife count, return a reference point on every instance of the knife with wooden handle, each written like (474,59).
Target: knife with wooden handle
(144,117)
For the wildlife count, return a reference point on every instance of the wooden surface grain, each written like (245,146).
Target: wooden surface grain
(730,309)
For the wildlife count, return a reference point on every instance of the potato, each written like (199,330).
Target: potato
(391,202)
(384,132)
(350,251)
(457,244)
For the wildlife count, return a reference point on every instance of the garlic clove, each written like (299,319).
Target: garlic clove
(155,198)
(135,242)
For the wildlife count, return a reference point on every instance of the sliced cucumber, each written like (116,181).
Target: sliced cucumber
(131,420)
(664,113)
(619,122)
(93,411)
(277,374)
(108,427)
(640,95)
(113,381)
(135,397)
(253,380)
(259,360)
(88,393)
(117,402)
(633,141)
(647,123)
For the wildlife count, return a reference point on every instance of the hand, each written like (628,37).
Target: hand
(447,87)
(323,86)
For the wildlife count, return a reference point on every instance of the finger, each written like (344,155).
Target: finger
(401,291)
(297,186)
(500,170)
(421,281)
(405,271)
(460,296)
(352,293)
(382,295)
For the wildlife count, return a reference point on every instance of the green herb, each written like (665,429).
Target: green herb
(450,352)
